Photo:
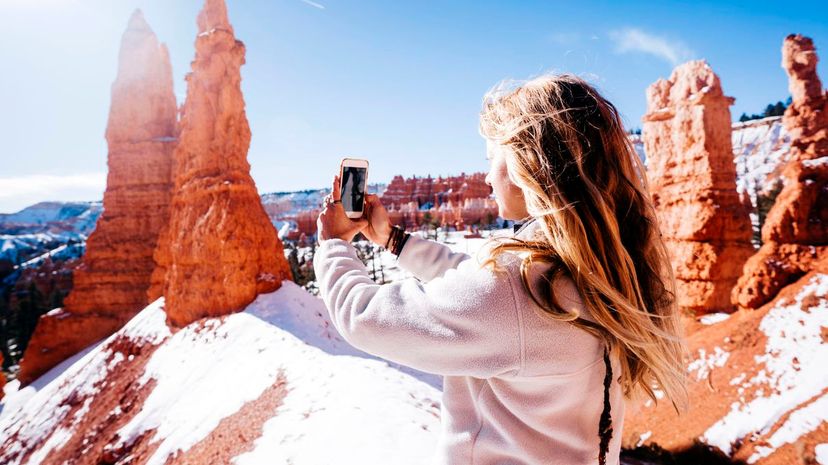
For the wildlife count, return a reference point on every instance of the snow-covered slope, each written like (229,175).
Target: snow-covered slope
(758,384)
(82,214)
(760,149)
(272,384)
(55,229)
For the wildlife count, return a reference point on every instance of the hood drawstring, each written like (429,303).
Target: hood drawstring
(605,423)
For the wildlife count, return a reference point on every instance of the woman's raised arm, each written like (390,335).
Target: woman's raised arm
(462,322)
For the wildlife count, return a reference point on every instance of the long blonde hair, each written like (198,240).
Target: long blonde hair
(584,183)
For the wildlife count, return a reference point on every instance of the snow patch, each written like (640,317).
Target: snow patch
(706,362)
(713,318)
(793,374)
(821,453)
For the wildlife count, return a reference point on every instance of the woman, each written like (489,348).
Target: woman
(542,338)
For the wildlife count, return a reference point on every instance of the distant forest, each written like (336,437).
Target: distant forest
(773,109)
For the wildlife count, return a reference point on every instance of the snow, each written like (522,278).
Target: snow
(792,375)
(760,149)
(713,318)
(34,414)
(816,162)
(14,397)
(17,248)
(643,437)
(821,453)
(47,212)
(345,400)
(799,423)
(706,362)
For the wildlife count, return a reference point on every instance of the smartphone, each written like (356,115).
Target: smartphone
(353,183)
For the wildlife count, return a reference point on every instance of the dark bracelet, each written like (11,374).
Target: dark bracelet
(396,240)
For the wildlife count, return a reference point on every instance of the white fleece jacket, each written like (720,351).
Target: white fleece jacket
(518,388)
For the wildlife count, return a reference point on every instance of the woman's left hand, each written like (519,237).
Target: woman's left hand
(333,223)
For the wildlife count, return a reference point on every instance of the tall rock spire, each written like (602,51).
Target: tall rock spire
(214,16)
(220,249)
(795,233)
(687,138)
(110,286)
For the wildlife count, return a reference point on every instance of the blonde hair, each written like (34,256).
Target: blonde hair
(585,184)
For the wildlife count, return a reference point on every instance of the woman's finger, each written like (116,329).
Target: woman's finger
(336,192)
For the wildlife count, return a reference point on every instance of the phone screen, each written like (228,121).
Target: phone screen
(353,188)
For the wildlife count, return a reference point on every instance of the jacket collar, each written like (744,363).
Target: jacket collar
(526,229)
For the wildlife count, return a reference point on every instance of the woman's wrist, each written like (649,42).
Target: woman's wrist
(396,240)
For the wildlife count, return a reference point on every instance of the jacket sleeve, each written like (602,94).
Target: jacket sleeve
(464,323)
(428,259)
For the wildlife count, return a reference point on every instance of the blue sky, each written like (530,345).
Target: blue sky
(399,83)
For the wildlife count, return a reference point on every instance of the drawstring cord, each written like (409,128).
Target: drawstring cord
(605,423)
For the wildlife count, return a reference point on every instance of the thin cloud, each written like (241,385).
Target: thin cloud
(635,40)
(313,4)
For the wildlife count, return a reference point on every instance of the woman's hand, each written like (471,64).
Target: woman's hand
(379,226)
(333,223)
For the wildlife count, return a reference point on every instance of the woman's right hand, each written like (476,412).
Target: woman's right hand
(379,225)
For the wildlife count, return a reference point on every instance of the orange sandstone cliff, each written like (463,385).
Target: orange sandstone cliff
(687,138)
(110,285)
(219,249)
(795,233)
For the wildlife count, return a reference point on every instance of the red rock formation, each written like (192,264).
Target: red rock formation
(111,283)
(436,191)
(687,138)
(219,250)
(306,221)
(795,233)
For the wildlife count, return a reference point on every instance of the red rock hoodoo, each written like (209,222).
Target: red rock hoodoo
(437,191)
(687,139)
(795,233)
(110,285)
(219,249)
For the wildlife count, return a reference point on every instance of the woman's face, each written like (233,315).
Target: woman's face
(510,201)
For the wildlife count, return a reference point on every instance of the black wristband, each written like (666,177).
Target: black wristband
(401,243)
(396,240)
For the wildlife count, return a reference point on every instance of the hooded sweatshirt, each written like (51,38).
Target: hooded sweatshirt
(518,386)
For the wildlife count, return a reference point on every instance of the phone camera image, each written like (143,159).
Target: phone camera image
(353,188)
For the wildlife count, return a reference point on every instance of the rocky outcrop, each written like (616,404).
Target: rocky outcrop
(219,249)
(455,189)
(110,285)
(795,232)
(687,138)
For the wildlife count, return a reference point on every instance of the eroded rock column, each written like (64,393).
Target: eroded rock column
(707,230)
(795,232)
(110,285)
(220,249)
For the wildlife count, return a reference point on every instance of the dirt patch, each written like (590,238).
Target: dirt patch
(236,433)
(117,399)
